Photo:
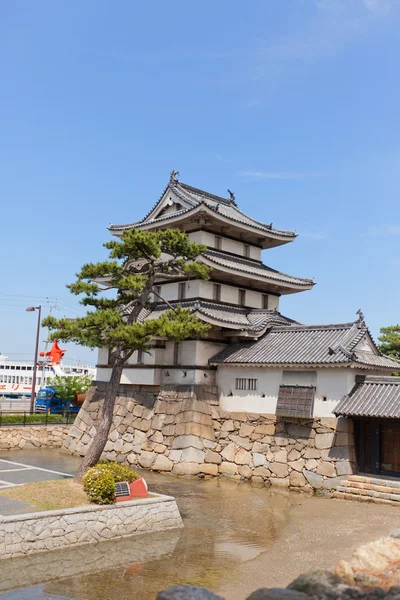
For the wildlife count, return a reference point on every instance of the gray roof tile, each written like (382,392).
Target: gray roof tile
(372,397)
(306,345)
(253,322)
(193,198)
(254,268)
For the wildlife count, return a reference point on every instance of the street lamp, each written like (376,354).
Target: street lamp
(33,393)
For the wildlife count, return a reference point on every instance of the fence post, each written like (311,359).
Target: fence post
(1,414)
(24,418)
(46,419)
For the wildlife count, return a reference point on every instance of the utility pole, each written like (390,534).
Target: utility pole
(35,359)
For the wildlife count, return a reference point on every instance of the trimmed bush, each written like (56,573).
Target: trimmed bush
(10,419)
(99,485)
(99,481)
(118,471)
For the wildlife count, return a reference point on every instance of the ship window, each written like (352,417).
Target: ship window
(242,297)
(265,299)
(12,367)
(246,249)
(217,291)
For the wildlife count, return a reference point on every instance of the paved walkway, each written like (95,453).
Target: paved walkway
(17,472)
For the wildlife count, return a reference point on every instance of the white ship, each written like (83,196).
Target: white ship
(16,377)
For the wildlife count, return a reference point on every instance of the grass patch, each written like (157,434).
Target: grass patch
(50,495)
(9,419)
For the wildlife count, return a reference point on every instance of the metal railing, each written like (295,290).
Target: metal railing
(25,419)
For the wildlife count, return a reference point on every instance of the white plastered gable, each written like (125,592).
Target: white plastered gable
(169,203)
(366,345)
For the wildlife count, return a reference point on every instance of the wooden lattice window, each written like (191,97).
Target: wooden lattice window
(295,401)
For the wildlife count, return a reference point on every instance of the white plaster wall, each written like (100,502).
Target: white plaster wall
(269,381)
(102,356)
(227,245)
(273,302)
(229,293)
(131,376)
(332,383)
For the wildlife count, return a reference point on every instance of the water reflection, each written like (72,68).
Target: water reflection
(226,524)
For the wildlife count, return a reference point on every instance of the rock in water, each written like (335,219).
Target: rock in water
(316,583)
(187,592)
(277,594)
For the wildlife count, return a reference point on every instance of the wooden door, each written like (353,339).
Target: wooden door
(390,447)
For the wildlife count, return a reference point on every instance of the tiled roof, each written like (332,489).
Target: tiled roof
(194,197)
(372,397)
(307,345)
(253,268)
(253,322)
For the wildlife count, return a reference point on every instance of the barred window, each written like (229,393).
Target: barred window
(243,383)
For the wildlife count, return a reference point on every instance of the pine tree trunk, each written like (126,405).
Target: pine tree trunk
(100,439)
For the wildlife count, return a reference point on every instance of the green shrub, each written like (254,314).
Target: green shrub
(10,419)
(99,481)
(99,485)
(118,471)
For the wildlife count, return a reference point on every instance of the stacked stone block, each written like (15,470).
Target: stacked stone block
(39,436)
(177,432)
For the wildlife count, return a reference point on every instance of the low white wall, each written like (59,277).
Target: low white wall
(331,385)
(49,530)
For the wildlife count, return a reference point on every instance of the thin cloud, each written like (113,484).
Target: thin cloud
(222,158)
(284,175)
(383,230)
(315,236)
(378,7)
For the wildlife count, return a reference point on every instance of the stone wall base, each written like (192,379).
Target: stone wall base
(35,436)
(182,430)
(49,530)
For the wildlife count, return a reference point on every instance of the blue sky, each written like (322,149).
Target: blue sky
(292,104)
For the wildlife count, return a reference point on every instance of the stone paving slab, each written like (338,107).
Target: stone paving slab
(14,473)
(9,506)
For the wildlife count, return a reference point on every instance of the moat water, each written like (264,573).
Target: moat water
(236,537)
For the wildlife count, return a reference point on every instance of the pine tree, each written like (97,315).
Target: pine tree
(116,319)
(390,341)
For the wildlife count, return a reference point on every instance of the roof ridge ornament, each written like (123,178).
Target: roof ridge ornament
(361,320)
(232,197)
(173,177)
